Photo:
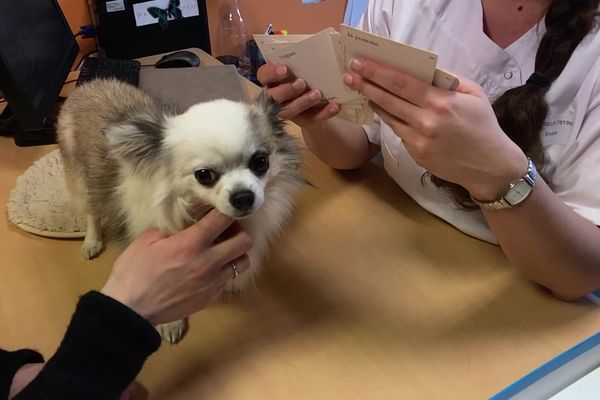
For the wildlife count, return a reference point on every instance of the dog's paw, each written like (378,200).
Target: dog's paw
(91,247)
(172,332)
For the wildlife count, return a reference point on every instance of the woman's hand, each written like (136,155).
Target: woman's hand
(165,278)
(23,377)
(303,106)
(452,134)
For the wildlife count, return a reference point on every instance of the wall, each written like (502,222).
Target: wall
(291,15)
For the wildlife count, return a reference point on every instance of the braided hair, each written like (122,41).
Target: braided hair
(521,111)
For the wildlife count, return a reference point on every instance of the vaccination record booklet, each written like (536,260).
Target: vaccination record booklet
(321,60)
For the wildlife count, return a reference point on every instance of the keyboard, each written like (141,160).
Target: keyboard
(123,70)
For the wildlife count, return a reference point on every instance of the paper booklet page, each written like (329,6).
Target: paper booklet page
(322,59)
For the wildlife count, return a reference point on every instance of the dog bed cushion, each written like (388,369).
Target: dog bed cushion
(41,204)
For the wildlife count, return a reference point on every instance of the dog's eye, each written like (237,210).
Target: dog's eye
(207,177)
(259,163)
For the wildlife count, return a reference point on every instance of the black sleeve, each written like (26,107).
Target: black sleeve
(103,350)
(10,363)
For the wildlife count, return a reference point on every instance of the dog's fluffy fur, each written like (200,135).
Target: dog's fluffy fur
(134,162)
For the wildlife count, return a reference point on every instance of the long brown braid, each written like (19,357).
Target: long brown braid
(521,111)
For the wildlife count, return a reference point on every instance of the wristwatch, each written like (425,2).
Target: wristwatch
(517,191)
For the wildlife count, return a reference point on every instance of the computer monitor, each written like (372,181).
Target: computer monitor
(122,36)
(37,51)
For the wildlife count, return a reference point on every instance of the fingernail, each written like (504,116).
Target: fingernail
(299,85)
(355,64)
(334,109)
(348,79)
(281,70)
(314,95)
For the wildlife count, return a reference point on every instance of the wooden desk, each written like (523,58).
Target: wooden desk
(366,296)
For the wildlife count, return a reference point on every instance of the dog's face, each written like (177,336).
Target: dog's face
(221,154)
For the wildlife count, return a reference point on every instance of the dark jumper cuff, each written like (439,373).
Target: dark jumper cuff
(104,348)
(10,363)
(112,320)
(106,331)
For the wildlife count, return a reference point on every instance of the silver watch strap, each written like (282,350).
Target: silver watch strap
(501,203)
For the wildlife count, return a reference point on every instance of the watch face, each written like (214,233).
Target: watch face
(518,193)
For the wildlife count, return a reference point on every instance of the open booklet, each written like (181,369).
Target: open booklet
(321,60)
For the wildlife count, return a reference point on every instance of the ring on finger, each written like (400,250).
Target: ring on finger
(235,269)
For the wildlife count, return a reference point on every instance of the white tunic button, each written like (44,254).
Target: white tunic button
(508,75)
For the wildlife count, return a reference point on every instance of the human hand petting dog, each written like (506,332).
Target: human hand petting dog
(299,104)
(452,134)
(167,278)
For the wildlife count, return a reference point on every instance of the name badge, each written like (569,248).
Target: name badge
(557,129)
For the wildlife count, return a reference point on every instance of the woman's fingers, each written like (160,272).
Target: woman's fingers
(319,113)
(204,232)
(401,84)
(408,135)
(385,99)
(287,91)
(230,249)
(300,104)
(272,74)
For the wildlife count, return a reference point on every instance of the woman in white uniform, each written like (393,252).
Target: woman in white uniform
(471,163)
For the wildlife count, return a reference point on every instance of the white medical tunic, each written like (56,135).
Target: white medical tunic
(454,30)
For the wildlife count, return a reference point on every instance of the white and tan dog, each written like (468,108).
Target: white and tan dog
(135,163)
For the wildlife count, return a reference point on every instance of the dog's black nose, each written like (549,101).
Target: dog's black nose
(242,200)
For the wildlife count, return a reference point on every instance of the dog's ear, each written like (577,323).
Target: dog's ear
(268,104)
(137,143)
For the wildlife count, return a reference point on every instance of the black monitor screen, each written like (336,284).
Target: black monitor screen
(37,50)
